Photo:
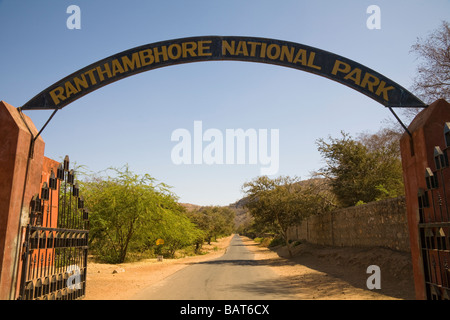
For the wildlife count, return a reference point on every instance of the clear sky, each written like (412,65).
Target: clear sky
(131,121)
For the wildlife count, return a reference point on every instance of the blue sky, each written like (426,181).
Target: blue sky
(131,121)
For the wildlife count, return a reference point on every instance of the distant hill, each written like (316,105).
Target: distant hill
(241,214)
(190,206)
(239,204)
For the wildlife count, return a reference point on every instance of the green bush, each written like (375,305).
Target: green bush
(277,241)
(129,212)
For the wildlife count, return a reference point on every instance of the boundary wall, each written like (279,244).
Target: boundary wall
(376,224)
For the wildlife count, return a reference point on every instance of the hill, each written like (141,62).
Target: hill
(190,206)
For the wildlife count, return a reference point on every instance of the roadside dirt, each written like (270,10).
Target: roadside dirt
(103,284)
(314,272)
(335,273)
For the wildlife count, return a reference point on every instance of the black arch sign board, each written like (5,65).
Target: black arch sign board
(221,48)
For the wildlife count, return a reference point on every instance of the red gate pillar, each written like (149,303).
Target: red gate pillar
(19,180)
(427,130)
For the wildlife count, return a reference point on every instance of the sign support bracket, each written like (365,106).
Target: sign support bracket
(400,121)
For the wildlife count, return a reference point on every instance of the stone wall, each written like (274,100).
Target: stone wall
(376,224)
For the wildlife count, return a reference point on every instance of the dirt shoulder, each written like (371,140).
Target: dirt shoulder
(339,273)
(103,284)
(314,272)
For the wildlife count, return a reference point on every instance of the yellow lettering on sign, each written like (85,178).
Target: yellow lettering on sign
(81,82)
(116,67)
(383,90)
(263,50)
(253,46)
(354,75)
(312,55)
(90,73)
(202,47)
(146,57)
(287,53)
(161,52)
(57,95)
(128,64)
(300,57)
(242,48)
(69,89)
(170,51)
(227,47)
(189,47)
(239,48)
(340,66)
(101,72)
(370,81)
(270,52)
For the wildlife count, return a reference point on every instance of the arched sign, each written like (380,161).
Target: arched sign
(215,48)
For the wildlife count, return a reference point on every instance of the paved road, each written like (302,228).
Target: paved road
(234,276)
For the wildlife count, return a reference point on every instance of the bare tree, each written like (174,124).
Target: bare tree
(432,81)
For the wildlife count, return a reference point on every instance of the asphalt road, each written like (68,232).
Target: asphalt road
(233,276)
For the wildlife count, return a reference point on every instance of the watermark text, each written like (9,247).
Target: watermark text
(235,146)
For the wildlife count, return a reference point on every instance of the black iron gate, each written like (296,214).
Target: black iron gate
(54,260)
(434,226)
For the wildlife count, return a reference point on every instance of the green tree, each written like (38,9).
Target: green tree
(277,204)
(214,221)
(127,209)
(177,231)
(203,222)
(363,170)
(223,221)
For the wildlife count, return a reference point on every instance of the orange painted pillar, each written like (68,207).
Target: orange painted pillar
(20,177)
(427,131)
(51,219)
